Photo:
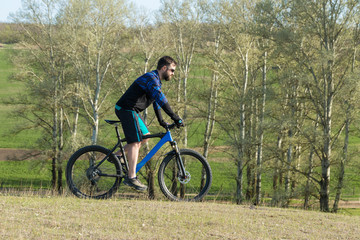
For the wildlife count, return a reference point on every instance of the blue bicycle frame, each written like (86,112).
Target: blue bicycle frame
(167,138)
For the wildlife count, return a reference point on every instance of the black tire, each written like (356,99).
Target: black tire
(87,182)
(197,168)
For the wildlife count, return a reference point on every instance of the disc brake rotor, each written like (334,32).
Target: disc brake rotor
(186,179)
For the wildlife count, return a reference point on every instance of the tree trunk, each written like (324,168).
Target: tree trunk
(261,135)
(74,128)
(149,166)
(95,102)
(307,193)
(211,114)
(252,131)
(325,175)
(308,179)
(212,102)
(212,105)
(241,148)
(185,55)
(344,160)
(185,107)
(239,180)
(289,156)
(53,173)
(55,123)
(276,181)
(277,167)
(325,160)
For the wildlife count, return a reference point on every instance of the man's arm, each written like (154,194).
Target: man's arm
(154,88)
(159,117)
(166,107)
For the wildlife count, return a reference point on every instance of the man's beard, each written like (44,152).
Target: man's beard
(166,76)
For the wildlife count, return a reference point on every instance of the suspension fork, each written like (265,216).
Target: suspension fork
(179,160)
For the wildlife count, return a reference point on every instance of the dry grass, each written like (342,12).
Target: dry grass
(34,217)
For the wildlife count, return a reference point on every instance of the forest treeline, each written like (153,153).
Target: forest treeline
(276,80)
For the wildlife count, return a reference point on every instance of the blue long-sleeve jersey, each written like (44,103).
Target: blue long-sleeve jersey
(144,91)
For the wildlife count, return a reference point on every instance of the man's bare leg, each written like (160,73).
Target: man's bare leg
(126,149)
(132,153)
(132,157)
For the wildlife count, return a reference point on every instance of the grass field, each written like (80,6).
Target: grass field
(24,174)
(33,217)
(8,91)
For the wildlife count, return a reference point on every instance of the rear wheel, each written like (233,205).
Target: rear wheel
(86,180)
(196,183)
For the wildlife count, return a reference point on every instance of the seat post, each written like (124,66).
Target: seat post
(117,133)
(119,143)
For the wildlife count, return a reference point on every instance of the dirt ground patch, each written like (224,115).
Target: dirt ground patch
(18,154)
(349,204)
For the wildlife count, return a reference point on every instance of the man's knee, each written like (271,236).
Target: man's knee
(134,145)
(145,140)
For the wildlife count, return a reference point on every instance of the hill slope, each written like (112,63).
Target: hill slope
(70,218)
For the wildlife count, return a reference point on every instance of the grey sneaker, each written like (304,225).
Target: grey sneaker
(135,184)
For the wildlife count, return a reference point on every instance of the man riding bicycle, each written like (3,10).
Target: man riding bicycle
(143,91)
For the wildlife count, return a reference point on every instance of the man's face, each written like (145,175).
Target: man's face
(169,72)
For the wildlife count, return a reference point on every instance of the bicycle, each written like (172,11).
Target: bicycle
(96,172)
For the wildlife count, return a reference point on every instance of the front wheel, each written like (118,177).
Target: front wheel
(87,180)
(191,187)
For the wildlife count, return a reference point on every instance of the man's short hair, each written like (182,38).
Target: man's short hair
(165,61)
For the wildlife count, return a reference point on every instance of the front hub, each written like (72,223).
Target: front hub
(186,179)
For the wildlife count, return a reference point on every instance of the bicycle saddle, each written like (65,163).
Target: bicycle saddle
(112,121)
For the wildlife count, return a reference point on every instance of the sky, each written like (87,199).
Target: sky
(11,6)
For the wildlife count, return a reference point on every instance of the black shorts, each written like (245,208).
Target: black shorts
(132,123)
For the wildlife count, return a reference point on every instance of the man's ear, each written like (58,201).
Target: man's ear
(163,69)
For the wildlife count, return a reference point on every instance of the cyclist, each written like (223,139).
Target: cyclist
(144,91)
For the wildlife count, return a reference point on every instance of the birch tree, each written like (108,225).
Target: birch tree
(43,66)
(211,27)
(234,63)
(350,109)
(314,35)
(259,160)
(184,19)
(310,170)
(212,100)
(96,40)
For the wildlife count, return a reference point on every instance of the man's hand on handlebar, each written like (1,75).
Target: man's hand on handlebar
(179,123)
(164,124)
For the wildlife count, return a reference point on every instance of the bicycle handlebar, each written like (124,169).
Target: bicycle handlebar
(170,126)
